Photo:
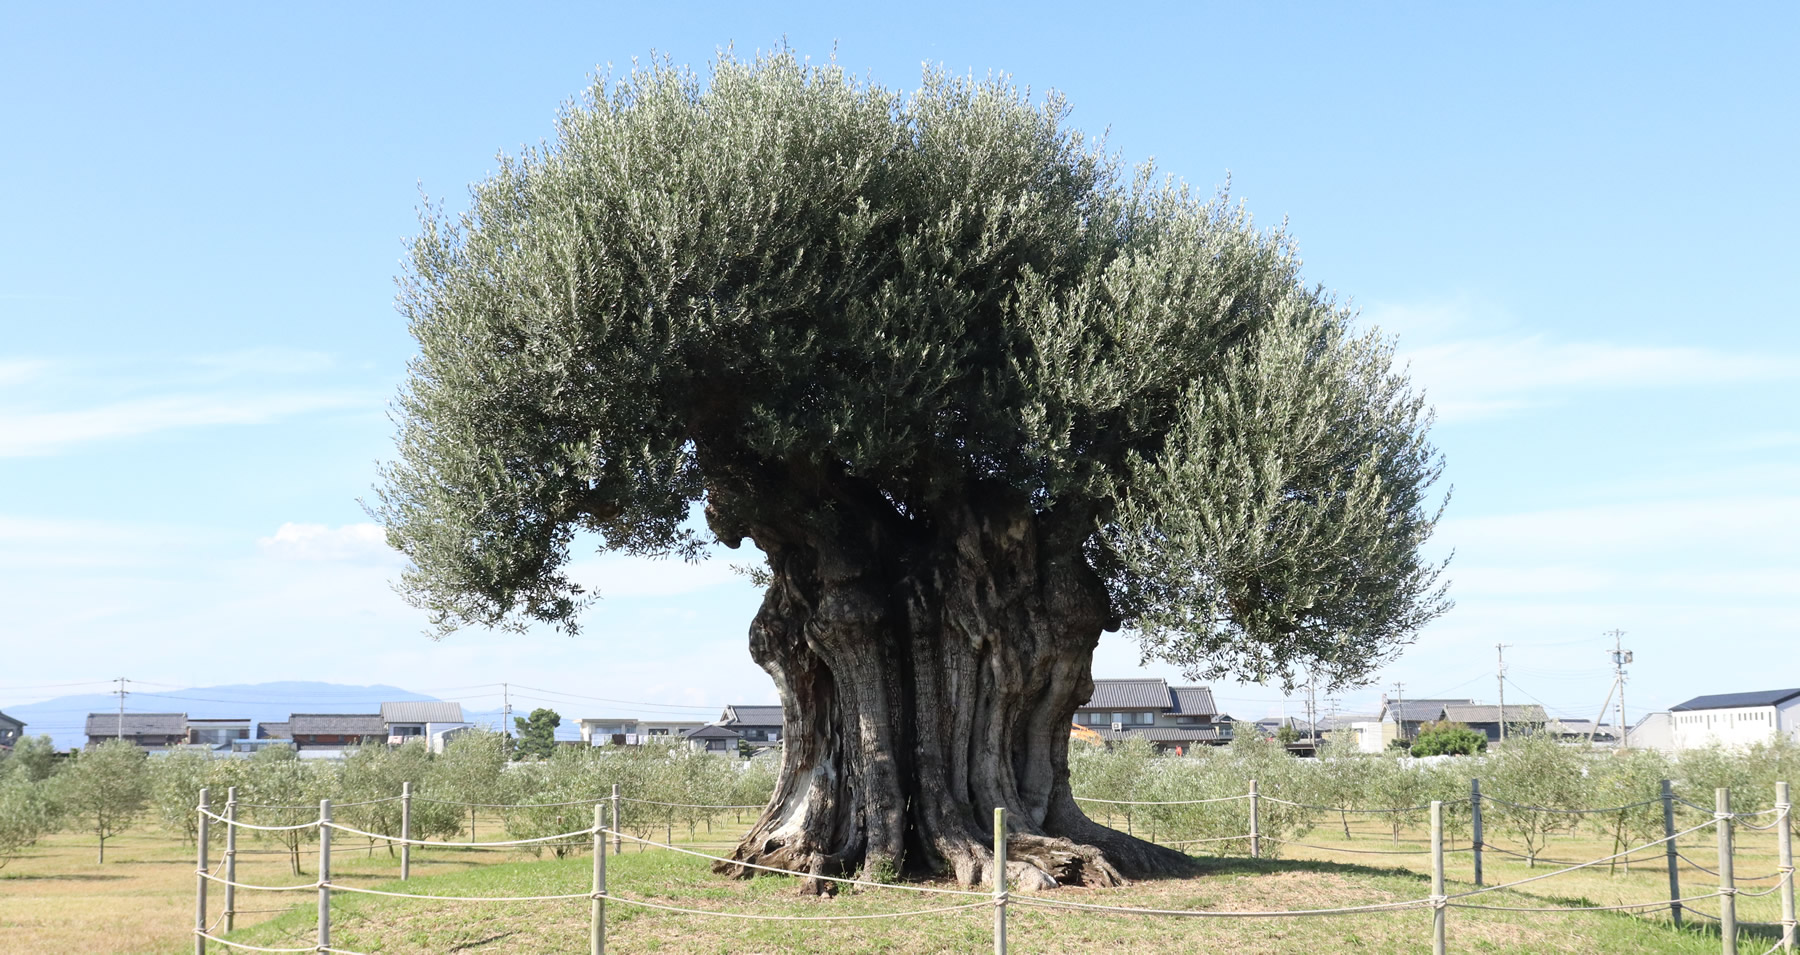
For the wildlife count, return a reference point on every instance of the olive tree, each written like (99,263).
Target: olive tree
(976,394)
(105,790)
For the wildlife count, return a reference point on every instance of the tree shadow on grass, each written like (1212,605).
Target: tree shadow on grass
(1232,865)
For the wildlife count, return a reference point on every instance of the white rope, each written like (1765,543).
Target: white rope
(1175,802)
(244,825)
(796,918)
(1191,913)
(1585,908)
(305,886)
(336,887)
(1583,865)
(1785,874)
(253,948)
(1190,842)
(803,875)
(461,845)
(682,805)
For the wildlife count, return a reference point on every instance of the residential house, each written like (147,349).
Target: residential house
(1346,729)
(715,738)
(1654,731)
(1174,718)
(334,731)
(277,731)
(628,731)
(11,731)
(1736,719)
(760,726)
(156,732)
(1520,718)
(217,734)
(1580,731)
(1401,718)
(1270,727)
(419,720)
(605,730)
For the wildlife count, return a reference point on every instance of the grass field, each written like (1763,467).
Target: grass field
(56,899)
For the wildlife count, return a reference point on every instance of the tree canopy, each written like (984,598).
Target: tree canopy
(785,291)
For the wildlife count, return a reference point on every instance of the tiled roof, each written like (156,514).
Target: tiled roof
(712,732)
(1194,700)
(1723,701)
(101,725)
(273,731)
(1169,734)
(421,711)
(1129,695)
(336,724)
(11,719)
(1482,713)
(1345,721)
(1418,710)
(753,715)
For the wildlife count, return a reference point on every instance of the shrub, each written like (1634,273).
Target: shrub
(1448,739)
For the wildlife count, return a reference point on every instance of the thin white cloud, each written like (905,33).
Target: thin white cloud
(350,542)
(14,371)
(34,433)
(1476,361)
(617,575)
(1485,377)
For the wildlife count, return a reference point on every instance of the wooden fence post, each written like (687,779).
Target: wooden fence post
(1475,825)
(1727,880)
(230,859)
(405,831)
(1255,823)
(1784,857)
(1438,908)
(200,874)
(999,880)
(324,874)
(597,911)
(1670,851)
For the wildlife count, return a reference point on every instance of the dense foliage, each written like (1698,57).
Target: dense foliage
(786,290)
(537,733)
(1448,739)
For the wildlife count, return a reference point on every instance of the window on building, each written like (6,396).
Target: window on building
(1146,718)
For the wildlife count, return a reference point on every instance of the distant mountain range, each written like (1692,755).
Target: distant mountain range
(65,717)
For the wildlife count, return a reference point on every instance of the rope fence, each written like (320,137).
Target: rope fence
(596,836)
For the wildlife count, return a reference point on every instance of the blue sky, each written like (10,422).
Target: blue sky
(1579,224)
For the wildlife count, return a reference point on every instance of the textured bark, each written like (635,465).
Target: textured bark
(929,672)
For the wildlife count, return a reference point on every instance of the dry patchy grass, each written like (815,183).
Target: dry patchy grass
(56,899)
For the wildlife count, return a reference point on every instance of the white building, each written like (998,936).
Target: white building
(1735,719)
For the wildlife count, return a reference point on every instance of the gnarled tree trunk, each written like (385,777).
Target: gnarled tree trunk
(929,671)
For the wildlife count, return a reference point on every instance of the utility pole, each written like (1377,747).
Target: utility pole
(1399,711)
(1312,715)
(1620,657)
(121,707)
(506,710)
(1500,679)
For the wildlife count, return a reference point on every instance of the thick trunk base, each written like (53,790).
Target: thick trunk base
(929,673)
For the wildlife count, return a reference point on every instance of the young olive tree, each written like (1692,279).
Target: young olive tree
(976,395)
(28,811)
(106,789)
(470,772)
(175,783)
(1533,785)
(281,789)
